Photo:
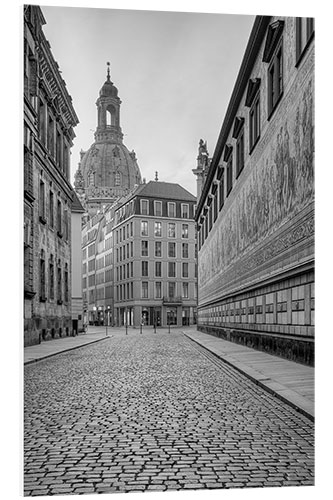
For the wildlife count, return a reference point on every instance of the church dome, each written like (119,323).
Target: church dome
(110,165)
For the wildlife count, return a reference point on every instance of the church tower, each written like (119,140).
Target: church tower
(107,170)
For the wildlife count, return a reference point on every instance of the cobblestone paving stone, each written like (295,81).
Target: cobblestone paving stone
(153,413)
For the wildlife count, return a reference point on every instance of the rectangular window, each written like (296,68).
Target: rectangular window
(42,277)
(210,217)
(185,269)
(144,248)
(51,278)
(185,250)
(144,289)
(158,290)
(229,175)
(185,290)
(184,230)
(41,122)
(172,289)
(42,201)
(171,269)
(144,207)
(275,81)
(66,291)
(158,249)
(215,206)
(59,283)
(171,249)
(240,153)
(144,268)
(158,269)
(51,209)
(185,211)
(158,229)
(171,209)
(255,122)
(304,32)
(58,148)
(171,230)
(50,135)
(59,218)
(66,224)
(221,191)
(158,208)
(144,228)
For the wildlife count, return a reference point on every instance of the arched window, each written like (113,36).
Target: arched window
(117,179)
(110,115)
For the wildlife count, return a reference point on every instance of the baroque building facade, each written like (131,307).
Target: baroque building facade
(108,170)
(49,121)
(255,214)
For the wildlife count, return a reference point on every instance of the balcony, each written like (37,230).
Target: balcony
(173,301)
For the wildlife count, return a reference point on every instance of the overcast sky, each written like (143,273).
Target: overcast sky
(174,72)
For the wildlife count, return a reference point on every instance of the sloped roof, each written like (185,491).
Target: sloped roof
(167,190)
(76,204)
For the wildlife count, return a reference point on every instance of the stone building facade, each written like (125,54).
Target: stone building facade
(97,268)
(155,257)
(255,215)
(49,121)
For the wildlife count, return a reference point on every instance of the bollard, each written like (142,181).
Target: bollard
(106,331)
(126,327)
(140,327)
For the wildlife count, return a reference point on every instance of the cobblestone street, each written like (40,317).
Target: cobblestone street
(156,412)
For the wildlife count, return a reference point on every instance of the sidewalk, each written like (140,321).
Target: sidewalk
(52,347)
(292,382)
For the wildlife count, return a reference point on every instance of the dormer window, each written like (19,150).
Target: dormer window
(228,158)
(304,34)
(273,56)
(238,134)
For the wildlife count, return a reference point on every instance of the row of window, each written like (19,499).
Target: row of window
(157,208)
(171,209)
(58,217)
(124,232)
(171,229)
(273,55)
(51,136)
(127,232)
(125,291)
(52,273)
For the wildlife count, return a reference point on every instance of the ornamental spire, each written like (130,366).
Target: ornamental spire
(108,71)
